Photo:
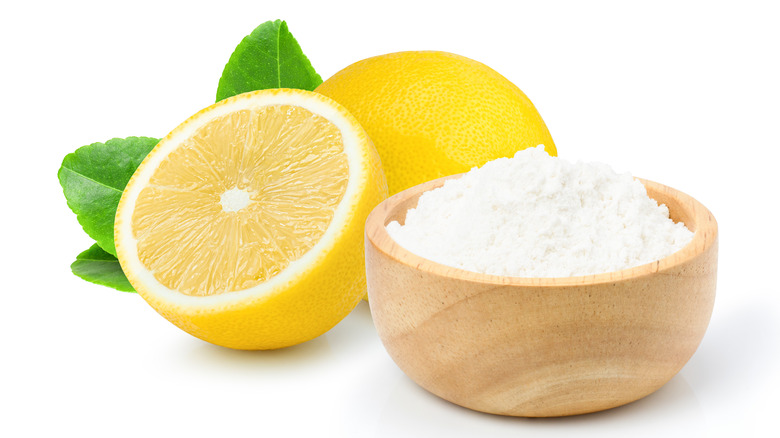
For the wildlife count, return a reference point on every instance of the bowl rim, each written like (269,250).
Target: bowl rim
(376,234)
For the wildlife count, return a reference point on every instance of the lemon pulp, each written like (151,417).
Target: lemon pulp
(249,193)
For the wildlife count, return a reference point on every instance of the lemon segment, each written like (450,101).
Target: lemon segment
(244,225)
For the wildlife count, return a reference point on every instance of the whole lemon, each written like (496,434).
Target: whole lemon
(432,114)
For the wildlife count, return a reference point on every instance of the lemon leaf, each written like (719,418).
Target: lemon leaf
(99,267)
(93,178)
(269,57)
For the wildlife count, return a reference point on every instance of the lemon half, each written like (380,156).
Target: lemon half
(244,226)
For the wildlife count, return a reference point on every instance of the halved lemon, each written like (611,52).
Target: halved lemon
(244,226)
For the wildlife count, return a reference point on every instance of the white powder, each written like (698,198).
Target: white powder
(538,216)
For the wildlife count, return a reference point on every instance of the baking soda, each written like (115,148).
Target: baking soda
(538,216)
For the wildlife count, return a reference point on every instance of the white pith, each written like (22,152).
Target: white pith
(127,244)
(234,199)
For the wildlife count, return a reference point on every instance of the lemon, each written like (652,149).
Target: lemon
(432,114)
(244,226)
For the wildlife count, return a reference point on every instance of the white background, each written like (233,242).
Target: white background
(687,94)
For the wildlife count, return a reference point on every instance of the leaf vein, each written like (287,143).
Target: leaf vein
(278,56)
(92,179)
(97,260)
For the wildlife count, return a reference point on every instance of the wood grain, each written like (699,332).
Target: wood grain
(541,347)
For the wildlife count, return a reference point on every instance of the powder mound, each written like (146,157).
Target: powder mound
(534,215)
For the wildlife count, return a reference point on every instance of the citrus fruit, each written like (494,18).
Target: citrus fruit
(432,114)
(244,226)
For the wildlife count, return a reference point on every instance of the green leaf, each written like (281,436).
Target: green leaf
(100,267)
(93,179)
(269,57)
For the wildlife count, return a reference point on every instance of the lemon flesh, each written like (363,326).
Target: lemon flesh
(285,171)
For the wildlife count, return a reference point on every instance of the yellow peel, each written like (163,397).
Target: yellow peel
(433,114)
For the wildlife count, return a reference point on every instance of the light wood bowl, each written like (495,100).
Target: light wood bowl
(539,347)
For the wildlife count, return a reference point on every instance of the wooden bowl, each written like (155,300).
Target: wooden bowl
(539,347)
